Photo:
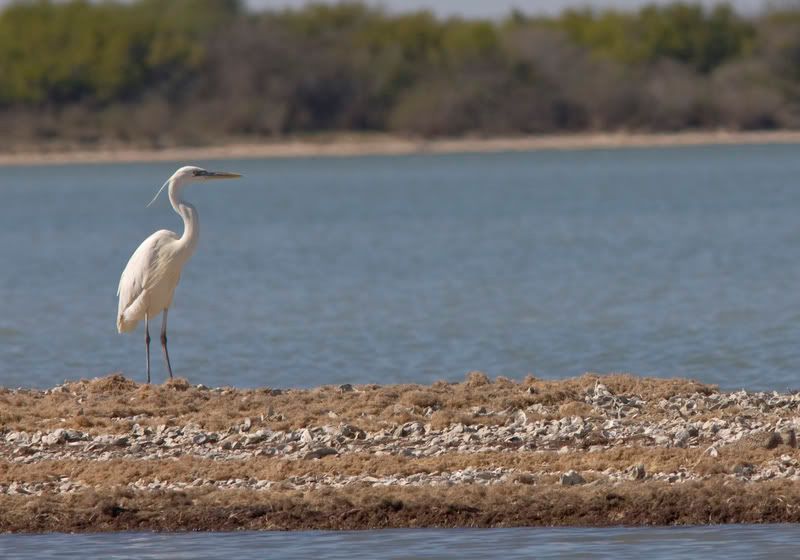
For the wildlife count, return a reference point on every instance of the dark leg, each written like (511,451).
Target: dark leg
(147,344)
(164,341)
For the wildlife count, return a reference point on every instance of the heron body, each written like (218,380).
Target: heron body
(148,282)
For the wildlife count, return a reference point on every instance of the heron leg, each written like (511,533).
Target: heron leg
(164,341)
(147,344)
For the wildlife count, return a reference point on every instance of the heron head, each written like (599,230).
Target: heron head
(191,173)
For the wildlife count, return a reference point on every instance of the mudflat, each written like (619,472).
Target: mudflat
(113,454)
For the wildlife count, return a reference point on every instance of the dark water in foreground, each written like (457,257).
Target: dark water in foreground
(724,542)
(668,262)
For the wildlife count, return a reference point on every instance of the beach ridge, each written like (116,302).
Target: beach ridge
(113,454)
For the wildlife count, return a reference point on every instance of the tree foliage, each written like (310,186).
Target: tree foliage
(192,70)
(700,38)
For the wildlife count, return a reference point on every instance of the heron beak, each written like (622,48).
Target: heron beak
(221,175)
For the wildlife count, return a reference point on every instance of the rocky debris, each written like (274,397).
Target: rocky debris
(744,470)
(759,403)
(580,441)
(599,421)
(636,472)
(618,406)
(571,478)
(409,429)
(618,422)
(785,467)
(773,440)
(320,452)
(110,440)
(306,482)
(352,432)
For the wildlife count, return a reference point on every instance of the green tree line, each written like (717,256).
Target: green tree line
(200,71)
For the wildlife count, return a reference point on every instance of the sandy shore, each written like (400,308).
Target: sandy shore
(111,454)
(359,145)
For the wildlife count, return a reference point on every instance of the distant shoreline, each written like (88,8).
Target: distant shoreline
(349,145)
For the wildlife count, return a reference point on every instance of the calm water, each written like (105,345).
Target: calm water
(660,262)
(719,542)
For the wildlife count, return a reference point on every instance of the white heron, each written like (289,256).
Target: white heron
(152,273)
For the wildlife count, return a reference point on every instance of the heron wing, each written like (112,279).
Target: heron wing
(146,267)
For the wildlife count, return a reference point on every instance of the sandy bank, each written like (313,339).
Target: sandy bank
(356,145)
(111,454)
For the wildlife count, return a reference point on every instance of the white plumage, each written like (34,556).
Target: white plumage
(148,282)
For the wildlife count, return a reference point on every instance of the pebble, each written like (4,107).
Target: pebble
(773,440)
(320,453)
(788,437)
(571,478)
(637,472)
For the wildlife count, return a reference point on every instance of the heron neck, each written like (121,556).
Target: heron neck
(191,224)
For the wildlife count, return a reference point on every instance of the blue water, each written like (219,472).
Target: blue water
(729,542)
(667,262)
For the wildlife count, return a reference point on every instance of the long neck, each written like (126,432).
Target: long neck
(191,222)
